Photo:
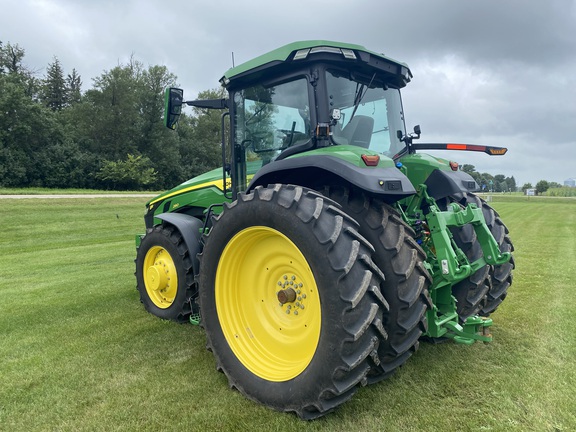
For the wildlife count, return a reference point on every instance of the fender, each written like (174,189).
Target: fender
(190,228)
(388,183)
(441,184)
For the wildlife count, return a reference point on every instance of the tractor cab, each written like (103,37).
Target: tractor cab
(319,96)
(309,95)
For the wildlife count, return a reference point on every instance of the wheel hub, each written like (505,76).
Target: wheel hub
(286,296)
(160,277)
(291,293)
(157,277)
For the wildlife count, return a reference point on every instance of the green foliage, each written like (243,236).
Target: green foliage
(562,191)
(200,137)
(11,59)
(54,87)
(73,88)
(511,184)
(490,183)
(53,135)
(11,65)
(526,186)
(542,186)
(27,132)
(134,173)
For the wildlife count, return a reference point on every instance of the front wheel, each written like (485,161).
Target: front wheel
(164,274)
(290,300)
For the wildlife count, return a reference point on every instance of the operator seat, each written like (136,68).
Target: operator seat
(359,130)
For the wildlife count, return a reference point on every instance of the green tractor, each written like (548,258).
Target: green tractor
(327,246)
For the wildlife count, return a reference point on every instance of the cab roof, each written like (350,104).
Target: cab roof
(354,56)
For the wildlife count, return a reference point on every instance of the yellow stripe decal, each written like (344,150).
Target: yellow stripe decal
(217,183)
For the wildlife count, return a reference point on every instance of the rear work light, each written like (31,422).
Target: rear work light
(303,53)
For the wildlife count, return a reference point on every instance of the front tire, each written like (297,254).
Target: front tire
(290,300)
(164,274)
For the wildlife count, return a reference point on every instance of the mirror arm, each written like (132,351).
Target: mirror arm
(208,103)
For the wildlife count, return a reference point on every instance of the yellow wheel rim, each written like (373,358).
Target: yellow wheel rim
(268,303)
(160,277)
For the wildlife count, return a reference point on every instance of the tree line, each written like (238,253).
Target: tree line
(501,183)
(111,136)
(52,134)
(489,182)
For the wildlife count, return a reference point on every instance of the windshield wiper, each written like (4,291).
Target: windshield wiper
(361,90)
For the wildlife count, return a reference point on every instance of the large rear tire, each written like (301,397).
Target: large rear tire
(164,274)
(290,300)
(406,282)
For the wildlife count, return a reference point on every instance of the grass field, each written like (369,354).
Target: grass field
(78,351)
(50,191)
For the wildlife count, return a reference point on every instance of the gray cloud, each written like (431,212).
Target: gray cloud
(491,72)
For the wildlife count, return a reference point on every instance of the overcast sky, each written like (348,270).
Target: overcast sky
(494,72)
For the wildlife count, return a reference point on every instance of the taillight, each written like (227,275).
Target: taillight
(371,160)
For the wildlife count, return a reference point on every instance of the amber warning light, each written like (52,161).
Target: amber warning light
(371,160)
(497,151)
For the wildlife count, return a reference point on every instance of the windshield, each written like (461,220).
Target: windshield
(369,115)
(271,119)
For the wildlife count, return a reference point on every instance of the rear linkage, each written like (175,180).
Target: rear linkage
(448,264)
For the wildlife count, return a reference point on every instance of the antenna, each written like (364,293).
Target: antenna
(233,59)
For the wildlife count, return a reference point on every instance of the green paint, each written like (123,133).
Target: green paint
(447,262)
(419,166)
(283,53)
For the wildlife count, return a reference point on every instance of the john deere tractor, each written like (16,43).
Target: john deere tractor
(328,244)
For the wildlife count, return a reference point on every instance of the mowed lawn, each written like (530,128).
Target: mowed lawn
(78,351)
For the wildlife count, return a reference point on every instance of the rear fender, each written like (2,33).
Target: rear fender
(441,184)
(388,183)
(191,230)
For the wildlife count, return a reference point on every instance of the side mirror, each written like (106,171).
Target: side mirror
(173,99)
(417,130)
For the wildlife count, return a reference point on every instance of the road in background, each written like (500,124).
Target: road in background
(78,196)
